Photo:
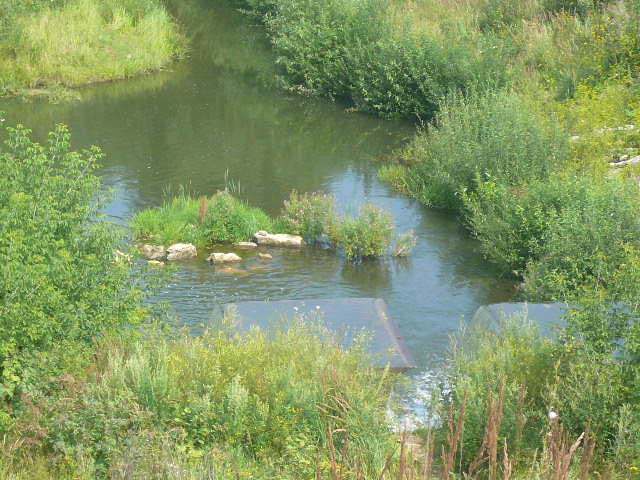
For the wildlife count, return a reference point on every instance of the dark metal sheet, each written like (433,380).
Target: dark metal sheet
(347,317)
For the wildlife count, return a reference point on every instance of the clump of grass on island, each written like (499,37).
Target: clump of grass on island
(220,218)
(47,46)
(223,218)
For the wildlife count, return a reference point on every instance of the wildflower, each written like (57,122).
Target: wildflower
(552,415)
(317,307)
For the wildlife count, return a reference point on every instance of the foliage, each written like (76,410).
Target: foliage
(515,354)
(491,137)
(224,219)
(266,402)
(405,243)
(308,214)
(51,44)
(521,375)
(349,51)
(560,234)
(368,235)
(61,281)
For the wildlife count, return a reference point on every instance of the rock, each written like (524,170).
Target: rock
(231,271)
(629,161)
(121,256)
(218,257)
(265,256)
(181,251)
(155,263)
(153,252)
(278,239)
(245,245)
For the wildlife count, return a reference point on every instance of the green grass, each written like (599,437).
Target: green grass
(78,42)
(218,219)
(223,218)
(271,405)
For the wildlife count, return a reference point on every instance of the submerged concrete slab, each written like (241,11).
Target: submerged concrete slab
(346,317)
(548,316)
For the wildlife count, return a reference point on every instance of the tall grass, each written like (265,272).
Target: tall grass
(84,41)
(218,219)
(289,405)
(482,137)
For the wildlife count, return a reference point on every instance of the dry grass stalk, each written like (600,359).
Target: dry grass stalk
(427,466)
(489,447)
(203,208)
(588,449)
(559,452)
(507,465)
(454,437)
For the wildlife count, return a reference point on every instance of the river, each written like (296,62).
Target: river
(218,118)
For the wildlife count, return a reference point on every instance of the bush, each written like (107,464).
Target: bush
(514,354)
(561,234)
(310,215)
(218,219)
(61,279)
(493,137)
(350,51)
(368,235)
(231,220)
(524,375)
(276,405)
(587,241)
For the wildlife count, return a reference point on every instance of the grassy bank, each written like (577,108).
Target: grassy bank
(524,107)
(223,218)
(46,46)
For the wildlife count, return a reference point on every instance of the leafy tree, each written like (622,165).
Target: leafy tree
(62,281)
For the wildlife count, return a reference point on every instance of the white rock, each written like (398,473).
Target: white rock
(265,256)
(155,263)
(218,257)
(278,239)
(245,244)
(626,161)
(181,251)
(121,256)
(153,252)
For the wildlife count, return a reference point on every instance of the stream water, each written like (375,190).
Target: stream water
(217,117)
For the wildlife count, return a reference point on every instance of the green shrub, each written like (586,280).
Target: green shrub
(515,354)
(231,220)
(587,240)
(587,391)
(559,234)
(61,279)
(218,219)
(491,137)
(263,401)
(350,51)
(308,214)
(368,235)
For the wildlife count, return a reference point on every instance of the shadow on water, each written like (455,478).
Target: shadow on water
(211,117)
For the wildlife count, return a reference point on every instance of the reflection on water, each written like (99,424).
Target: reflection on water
(211,118)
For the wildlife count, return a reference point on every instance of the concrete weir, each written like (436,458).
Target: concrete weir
(347,318)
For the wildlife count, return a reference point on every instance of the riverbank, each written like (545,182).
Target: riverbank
(48,47)
(530,114)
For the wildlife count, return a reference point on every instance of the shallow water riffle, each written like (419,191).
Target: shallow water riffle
(217,119)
